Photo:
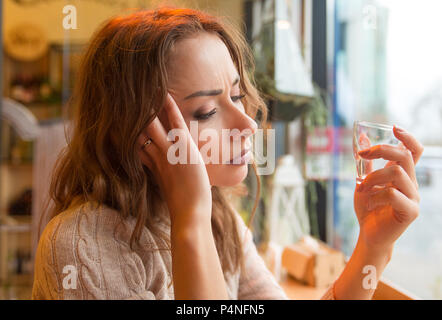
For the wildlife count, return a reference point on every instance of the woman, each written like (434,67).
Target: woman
(127,222)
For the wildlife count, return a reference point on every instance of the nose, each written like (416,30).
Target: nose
(240,120)
(250,125)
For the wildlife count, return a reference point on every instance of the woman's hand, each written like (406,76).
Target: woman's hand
(186,187)
(187,191)
(387,201)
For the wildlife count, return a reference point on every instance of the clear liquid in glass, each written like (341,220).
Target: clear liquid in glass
(366,135)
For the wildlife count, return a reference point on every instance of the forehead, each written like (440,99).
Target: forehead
(201,62)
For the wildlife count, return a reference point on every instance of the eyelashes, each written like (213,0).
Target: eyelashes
(236,98)
(206,116)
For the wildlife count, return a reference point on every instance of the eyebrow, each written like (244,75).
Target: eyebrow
(210,92)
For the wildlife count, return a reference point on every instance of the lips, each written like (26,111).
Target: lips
(242,158)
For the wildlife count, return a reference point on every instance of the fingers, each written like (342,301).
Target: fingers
(409,142)
(174,115)
(157,133)
(403,157)
(155,152)
(148,152)
(405,210)
(146,160)
(151,154)
(394,175)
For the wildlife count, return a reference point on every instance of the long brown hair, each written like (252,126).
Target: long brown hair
(116,96)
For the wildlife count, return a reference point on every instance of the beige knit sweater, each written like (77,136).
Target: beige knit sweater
(84,253)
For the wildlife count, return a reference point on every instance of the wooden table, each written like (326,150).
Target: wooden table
(299,291)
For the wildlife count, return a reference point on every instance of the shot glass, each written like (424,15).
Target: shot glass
(366,135)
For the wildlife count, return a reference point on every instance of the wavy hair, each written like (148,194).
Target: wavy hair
(116,96)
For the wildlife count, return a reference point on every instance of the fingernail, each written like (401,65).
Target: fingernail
(364,152)
(399,129)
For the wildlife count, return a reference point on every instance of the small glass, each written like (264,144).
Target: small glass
(366,135)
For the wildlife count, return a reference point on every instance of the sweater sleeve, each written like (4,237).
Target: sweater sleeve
(76,260)
(257,282)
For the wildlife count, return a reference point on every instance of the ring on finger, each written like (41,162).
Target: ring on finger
(148,142)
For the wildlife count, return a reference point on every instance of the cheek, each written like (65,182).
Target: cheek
(219,174)
(210,141)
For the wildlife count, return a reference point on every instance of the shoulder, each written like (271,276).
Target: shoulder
(93,241)
(90,223)
(84,218)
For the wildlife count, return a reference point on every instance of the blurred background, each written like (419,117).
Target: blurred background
(322,64)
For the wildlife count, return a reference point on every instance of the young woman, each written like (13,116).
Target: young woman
(129,224)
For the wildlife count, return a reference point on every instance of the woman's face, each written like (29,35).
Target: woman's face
(204,83)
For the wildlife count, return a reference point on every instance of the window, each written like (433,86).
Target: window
(387,68)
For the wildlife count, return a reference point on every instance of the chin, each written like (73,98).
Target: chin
(228,175)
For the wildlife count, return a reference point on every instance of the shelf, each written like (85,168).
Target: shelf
(16,231)
(21,165)
(42,104)
(7,220)
(18,286)
(15,292)
(15,228)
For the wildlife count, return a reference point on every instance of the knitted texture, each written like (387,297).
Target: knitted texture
(84,253)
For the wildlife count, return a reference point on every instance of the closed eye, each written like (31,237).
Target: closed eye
(206,116)
(236,98)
